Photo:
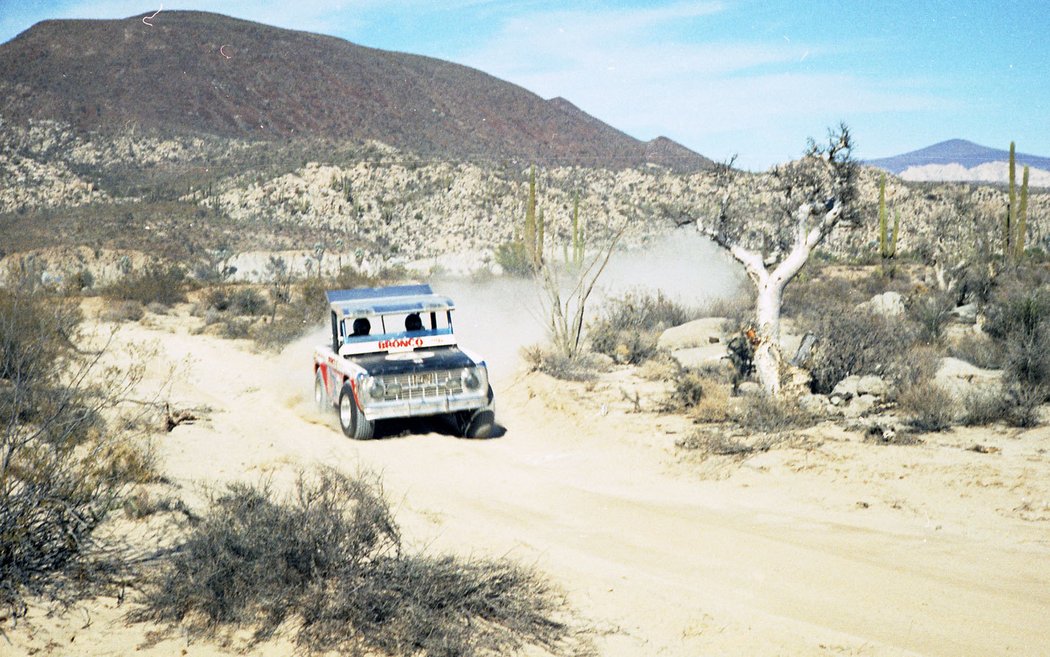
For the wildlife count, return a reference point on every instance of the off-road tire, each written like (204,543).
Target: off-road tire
(482,422)
(321,393)
(354,424)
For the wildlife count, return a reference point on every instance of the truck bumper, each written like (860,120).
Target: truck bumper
(425,406)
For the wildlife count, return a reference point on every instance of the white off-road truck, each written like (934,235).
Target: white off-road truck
(393,354)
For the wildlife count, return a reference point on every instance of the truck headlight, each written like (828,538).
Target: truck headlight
(474,378)
(374,387)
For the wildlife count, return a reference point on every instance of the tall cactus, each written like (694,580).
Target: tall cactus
(1022,217)
(1011,210)
(1016,221)
(887,241)
(529,234)
(537,249)
(577,233)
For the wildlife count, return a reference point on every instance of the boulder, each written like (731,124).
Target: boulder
(966,314)
(961,378)
(859,405)
(749,389)
(814,404)
(887,304)
(700,357)
(697,333)
(846,389)
(872,385)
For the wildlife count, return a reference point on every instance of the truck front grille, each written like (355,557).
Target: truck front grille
(419,385)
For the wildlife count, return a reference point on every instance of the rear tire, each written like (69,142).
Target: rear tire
(321,393)
(351,420)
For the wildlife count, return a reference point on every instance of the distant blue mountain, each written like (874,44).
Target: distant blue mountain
(956,151)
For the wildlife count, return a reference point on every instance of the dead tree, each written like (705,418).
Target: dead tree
(771,223)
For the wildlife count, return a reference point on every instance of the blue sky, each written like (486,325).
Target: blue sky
(722,77)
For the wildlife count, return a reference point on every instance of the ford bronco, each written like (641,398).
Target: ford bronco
(393,354)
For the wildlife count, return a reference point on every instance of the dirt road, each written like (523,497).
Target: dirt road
(838,549)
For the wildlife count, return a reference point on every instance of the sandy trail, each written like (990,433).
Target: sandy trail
(771,560)
(661,562)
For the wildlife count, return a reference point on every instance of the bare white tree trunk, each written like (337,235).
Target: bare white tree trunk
(770,287)
(767,352)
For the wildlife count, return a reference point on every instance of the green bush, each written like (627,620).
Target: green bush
(330,555)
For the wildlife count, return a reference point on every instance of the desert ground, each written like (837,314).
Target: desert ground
(823,545)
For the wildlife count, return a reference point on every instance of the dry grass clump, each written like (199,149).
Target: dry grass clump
(329,558)
(701,397)
(978,349)
(122,311)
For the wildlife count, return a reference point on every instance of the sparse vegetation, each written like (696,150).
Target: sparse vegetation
(330,556)
(63,467)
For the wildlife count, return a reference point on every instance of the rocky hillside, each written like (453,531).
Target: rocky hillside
(190,198)
(201,73)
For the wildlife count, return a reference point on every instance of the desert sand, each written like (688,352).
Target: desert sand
(828,546)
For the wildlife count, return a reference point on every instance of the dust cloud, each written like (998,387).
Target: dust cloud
(496,316)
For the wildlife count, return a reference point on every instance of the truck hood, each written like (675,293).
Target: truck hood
(422,360)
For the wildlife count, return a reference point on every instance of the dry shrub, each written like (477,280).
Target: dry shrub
(772,414)
(821,297)
(237,300)
(63,468)
(630,325)
(857,341)
(702,398)
(330,557)
(584,367)
(983,406)
(927,406)
(122,311)
(930,311)
(920,366)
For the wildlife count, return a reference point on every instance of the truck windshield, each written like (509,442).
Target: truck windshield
(401,324)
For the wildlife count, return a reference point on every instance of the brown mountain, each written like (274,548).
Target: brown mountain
(206,73)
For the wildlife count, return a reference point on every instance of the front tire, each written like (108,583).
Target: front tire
(351,420)
(482,422)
